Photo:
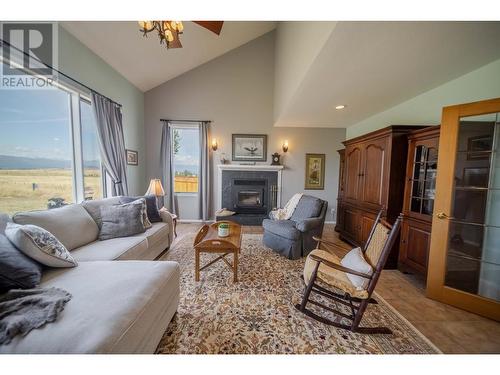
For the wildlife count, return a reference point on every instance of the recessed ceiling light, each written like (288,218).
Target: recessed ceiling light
(340,106)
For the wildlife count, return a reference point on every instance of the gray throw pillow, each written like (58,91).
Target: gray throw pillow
(17,271)
(40,245)
(145,219)
(151,205)
(121,221)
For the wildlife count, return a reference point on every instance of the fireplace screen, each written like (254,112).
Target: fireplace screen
(249,198)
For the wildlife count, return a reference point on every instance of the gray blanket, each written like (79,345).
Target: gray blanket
(22,310)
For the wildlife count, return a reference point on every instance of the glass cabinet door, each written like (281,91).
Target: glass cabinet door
(464,259)
(423,180)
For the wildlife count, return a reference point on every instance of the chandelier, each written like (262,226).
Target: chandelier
(168,31)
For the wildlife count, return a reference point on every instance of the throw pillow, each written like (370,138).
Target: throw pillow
(145,219)
(121,221)
(40,245)
(152,206)
(355,260)
(17,271)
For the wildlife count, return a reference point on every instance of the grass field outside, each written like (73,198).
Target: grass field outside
(30,189)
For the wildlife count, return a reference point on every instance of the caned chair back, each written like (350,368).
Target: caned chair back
(376,243)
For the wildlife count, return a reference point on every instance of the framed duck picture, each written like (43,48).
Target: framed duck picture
(249,147)
(315,172)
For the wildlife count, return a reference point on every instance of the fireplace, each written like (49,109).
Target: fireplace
(249,198)
(252,194)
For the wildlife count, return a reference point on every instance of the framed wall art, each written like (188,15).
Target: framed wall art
(315,172)
(249,147)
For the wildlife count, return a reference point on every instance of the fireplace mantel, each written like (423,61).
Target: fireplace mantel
(250,168)
(245,167)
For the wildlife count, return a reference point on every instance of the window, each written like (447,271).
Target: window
(49,154)
(186,147)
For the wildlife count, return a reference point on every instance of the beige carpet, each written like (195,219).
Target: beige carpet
(257,314)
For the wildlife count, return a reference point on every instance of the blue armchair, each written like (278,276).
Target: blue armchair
(294,238)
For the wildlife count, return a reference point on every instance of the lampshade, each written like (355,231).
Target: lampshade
(155,188)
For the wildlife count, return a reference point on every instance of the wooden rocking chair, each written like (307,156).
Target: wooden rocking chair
(325,267)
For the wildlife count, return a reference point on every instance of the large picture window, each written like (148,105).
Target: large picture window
(49,155)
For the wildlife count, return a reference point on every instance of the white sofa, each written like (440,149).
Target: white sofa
(122,300)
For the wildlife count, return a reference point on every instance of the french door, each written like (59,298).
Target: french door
(464,260)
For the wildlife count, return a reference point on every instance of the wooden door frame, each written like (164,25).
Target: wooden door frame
(443,203)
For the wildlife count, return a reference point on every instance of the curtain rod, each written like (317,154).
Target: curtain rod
(59,72)
(185,120)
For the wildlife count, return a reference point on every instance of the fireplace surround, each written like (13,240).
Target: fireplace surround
(251,191)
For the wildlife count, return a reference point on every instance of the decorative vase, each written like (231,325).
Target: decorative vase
(223,230)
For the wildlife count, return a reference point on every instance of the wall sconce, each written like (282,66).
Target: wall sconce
(285,146)
(214,144)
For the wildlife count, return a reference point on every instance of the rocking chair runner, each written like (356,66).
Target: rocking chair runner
(326,267)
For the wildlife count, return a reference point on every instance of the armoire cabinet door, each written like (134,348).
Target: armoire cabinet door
(375,164)
(352,171)
(351,223)
(415,243)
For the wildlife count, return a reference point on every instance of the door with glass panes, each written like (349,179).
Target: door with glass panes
(464,262)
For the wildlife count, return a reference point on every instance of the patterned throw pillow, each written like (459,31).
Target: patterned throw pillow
(40,245)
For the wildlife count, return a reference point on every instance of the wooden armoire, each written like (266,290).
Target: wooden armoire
(374,172)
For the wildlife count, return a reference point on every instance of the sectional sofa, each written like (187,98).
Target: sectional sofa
(122,300)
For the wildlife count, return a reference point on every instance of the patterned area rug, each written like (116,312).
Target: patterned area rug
(257,314)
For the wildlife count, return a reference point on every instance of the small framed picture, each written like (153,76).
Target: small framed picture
(249,147)
(132,157)
(315,172)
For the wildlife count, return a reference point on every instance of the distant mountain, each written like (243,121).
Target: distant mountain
(19,162)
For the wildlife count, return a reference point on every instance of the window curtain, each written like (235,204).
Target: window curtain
(205,195)
(167,166)
(111,143)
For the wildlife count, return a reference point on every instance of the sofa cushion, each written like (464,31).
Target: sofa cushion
(159,232)
(122,220)
(39,244)
(72,225)
(113,249)
(113,304)
(307,207)
(17,271)
(282,228)
(93,207)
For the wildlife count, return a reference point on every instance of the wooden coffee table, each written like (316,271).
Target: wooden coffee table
(208,241)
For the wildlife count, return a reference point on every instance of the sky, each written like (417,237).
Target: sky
(188,156)
(35,123)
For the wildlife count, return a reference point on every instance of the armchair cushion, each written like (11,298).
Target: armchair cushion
(355,260)
(331,276)
(308,224)
(282,228)
(307,207)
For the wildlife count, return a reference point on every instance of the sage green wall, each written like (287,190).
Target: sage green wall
(483,83)
(80,63)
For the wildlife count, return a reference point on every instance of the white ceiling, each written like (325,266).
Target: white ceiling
(372,66)
(147,64)
(368,66)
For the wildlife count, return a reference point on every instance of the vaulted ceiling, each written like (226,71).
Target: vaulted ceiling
(145,63)
(366,66)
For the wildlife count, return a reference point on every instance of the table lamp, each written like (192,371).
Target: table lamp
(155,188)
